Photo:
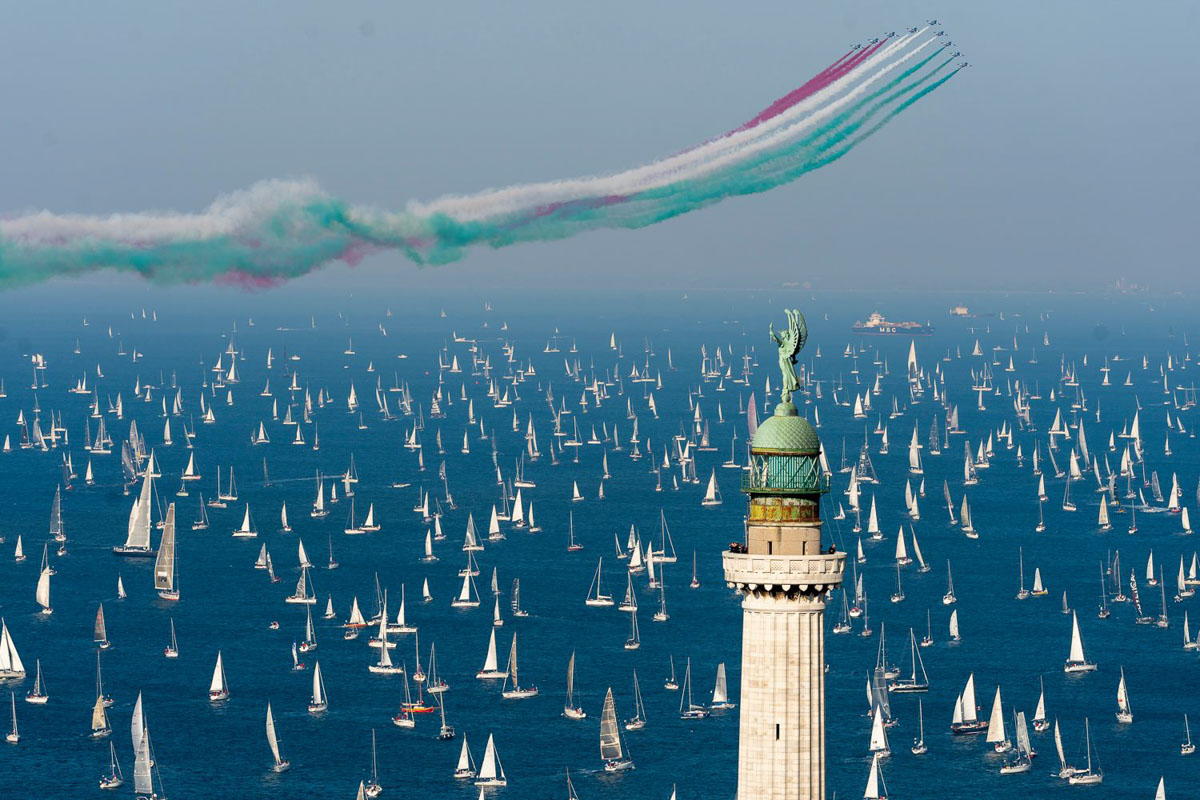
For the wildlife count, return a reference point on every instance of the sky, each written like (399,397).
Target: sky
(1064,158)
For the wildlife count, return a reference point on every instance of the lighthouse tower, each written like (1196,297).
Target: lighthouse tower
(783,572)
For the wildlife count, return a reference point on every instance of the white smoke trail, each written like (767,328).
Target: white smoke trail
(228,215)
(509,200)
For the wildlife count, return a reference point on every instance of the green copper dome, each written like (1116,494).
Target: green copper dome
(786,432)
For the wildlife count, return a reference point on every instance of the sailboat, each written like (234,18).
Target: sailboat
(144,765)
(42,593)
(1040,723)
(1023,750)
(372,788)
(1092,774)
(712,495)
(1076,661)
(919,747)
(635,640)
(172,649)
(570,710)
(114,778)
(491,771)
(281,763)
(465,769)
(996,735)
(949,598)
(688,709)
(596,596)
(165,566)
(302,595)
(11,666)
(37,695)
(612,751)
(137,539)
(720,695)
(100,726)
(966,714)
(915,682)
(1124,710)
(1187,748)
(218,689)
(319,701)
(638,721)
(516,691)
(490,669)
(405,718)
(247,529)
(875,789)
(13,736)
(99,630)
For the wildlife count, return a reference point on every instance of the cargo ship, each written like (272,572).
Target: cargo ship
(876,325)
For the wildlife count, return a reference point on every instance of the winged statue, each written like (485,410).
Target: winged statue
(790,343)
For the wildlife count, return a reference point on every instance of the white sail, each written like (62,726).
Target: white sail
(10,660)
(137,724)
(43,589)
(138,535)
(874,782)
(142,782)
(318,687)
(968,700)
(996,731)
(491,770)
(610,736)
(1076,655)
(272,737)
(164,562)
(218,679)
(720,695)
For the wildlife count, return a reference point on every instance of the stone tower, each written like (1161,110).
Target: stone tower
(783,572)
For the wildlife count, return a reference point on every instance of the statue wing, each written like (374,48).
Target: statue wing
(801,331)
(793,339)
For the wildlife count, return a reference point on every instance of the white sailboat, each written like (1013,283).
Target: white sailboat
(491,669)
(1124,709)
(612,751)
(595,595)
(712,495)
(491,771)
(1092,774)
(11,666)
(218,688)
(166,572)
(876,789)
(137,539)
(172,649)
(570,710)
(720,695)
(37,695)
(281,764)
(319,702)
(688,709)
(1076,661)
(515,691)
(465,769)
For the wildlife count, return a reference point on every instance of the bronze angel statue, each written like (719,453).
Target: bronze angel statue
(790,342)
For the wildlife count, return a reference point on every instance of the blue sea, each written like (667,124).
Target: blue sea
(205,750)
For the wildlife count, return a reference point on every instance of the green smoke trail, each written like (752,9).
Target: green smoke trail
(302,234)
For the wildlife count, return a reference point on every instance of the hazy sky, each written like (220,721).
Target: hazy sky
(1066,156)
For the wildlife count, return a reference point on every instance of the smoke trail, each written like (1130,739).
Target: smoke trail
(277,230)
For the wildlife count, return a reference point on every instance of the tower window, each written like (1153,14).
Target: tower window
(777,731)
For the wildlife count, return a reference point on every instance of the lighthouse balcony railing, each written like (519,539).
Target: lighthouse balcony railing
(773,480)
